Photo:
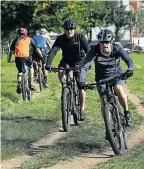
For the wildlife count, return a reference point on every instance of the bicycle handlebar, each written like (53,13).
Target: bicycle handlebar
(108,80)
(65,69)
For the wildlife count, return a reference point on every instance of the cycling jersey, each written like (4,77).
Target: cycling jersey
(30,43)
(73,49)
(105,66)
(40,41)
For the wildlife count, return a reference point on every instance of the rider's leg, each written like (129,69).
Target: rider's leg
(62,77)
(61,73)
(82,99)
(30,65)
(19,80)
(18,62)
(31,74)
(119,90)
(82,103)
(35,67)
(45,75)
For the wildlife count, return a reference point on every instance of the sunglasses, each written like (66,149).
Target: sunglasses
(69,29)
(105,42)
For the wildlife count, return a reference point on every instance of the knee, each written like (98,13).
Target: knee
(119,90)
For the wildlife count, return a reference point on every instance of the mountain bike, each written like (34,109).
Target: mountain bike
(40,74)
(114,119)
(26,82)
(70,99)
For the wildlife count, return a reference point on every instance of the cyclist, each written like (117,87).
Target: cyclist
(21,47)
(106,55)
(44,33)
(44,44)
(74,47)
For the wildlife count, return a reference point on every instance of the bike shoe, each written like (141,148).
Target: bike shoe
(45,85)
(82,116)
(33,88)
(128,118)
(19,89)
(106,137)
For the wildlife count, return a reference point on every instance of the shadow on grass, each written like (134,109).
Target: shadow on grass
(10,96)
(25,119)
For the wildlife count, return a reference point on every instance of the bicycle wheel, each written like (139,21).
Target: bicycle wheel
(24,92)
(40,78)
(113,130)
(29,92)
(123,123)
(76,107)
(66,109)
(124,132)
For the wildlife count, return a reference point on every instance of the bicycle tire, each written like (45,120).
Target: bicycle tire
(76,113)
(123,123)
(124,133)
(116,138)
(66,109)
(29,92)
(24,93)
(40,79)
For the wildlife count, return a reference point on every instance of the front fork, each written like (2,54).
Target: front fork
(118,126)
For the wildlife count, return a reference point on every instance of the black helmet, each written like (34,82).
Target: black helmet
(105,35)
(69,24)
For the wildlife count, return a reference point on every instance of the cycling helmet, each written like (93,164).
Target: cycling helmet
(43,31)
(69,24)
(22,31)
(105,35)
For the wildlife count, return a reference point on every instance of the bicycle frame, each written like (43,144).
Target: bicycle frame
(110,97)
(70,83)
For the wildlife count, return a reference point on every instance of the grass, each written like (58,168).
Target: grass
(132,160)
(26,122)
(136,84)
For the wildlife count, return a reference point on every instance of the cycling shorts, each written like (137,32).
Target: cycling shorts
(18,61)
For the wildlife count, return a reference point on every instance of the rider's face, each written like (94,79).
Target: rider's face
(69,32)
(105,47)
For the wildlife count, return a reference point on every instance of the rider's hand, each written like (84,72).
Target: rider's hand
(48,67)
(129,73)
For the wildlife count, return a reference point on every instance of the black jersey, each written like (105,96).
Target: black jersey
(74,49)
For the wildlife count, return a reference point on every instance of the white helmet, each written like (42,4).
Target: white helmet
(43,31)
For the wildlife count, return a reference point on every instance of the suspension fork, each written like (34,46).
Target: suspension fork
(69,86)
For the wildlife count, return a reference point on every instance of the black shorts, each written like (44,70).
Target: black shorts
(63,64)
(18,61)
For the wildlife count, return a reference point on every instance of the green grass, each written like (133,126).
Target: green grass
(26,122)
(136,82)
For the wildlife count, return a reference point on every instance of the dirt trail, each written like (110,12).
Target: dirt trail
(85,161)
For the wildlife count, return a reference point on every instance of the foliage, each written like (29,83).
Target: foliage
(52,14)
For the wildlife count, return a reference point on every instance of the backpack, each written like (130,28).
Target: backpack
(77,39)
(22,47)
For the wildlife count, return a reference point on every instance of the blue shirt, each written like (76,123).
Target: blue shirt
(40,41)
